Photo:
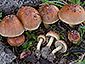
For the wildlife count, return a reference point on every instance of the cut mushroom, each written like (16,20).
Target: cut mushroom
(46,50)
(61,46)
(72,14)
(11,26)
(41,39)
(74,36)
(29,17)
(49,14)
(16,41)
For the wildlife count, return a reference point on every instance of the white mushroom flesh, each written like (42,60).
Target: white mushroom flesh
(57,49)
(39,43)
(50,42)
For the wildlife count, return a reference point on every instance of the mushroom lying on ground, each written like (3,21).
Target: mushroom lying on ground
(29,17)
(41,39)
(25,54)
(74,36)
(46,50)
(72,14)
(61,46)
(10,26)
(16,41)
(49,14)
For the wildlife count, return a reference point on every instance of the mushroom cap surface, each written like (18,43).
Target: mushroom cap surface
(16,41)
(11,26)
(61,42)
(29,17)
(49,13)
(72,14)
(53,34)
(74,36)
(42,36)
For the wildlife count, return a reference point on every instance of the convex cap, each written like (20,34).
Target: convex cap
(29,17)
(49,13)
(61,42)
(10,26)
(16,41)
(72,14)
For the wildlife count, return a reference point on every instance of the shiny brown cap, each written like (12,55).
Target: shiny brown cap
(74,36)
(10,26)
(16,41)
(49,13)
(29,17)
(53,34)
(42,36)
(72,14)
(61,42)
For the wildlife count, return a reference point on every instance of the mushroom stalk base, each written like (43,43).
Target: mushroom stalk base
(71,25)
(46,25)
(50,42)
(57,49)
(39,43)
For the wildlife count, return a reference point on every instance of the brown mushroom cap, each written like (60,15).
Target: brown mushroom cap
(74,36)
(42,36)
(49,13)
(53,34)
(16,41)
(10,26)
(61,42)
(29,17)
(72,14)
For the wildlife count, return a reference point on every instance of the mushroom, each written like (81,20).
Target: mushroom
(46,50)
(41,38)
(16,41)
(49,14)
(72,14)
(10,26)
(25,54)
(61,46)
(74,36)
(29,17)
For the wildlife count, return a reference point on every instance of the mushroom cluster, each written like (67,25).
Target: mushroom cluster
(30,19)
(46,52)
(13,28)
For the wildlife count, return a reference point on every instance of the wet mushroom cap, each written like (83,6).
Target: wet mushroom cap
(61,42)
(42,36)
(74,36)
(10,26)
(29,17)
(49,13)
(72,14)
(53,34)
(16,41)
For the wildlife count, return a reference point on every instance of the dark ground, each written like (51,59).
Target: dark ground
(58,26)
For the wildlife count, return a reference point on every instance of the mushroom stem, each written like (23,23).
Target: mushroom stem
(39,43)
(46,25)
(71,25)
(50,42)
(30,31)
(57,49)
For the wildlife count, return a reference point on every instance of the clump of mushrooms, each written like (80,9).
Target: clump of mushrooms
(12,28)
(61,46)
(74,36)
(46,50)
(72,14)
(49,14)
(41,38)
(29,17)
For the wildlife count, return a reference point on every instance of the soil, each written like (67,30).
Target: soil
(73,49)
